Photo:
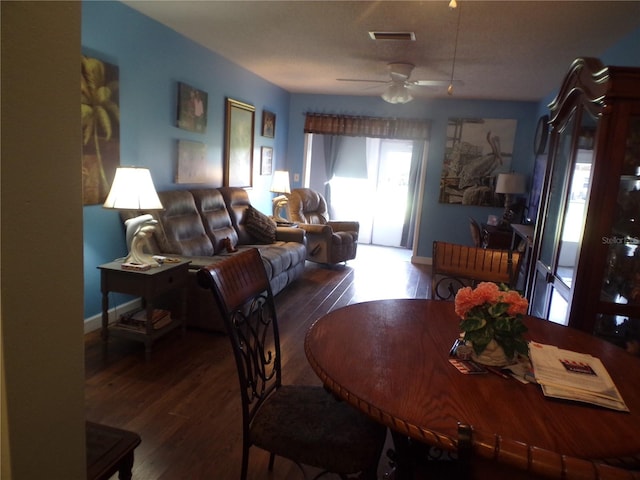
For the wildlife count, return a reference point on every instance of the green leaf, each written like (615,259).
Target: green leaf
(503,324)
(479,347)
(470,324)
(498,309)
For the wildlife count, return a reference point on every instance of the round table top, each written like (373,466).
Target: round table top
(389,358)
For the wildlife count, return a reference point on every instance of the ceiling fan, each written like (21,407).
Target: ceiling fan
(398,87)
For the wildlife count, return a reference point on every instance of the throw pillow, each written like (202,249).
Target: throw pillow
(260,226)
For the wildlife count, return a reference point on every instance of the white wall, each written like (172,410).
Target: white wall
(41,245)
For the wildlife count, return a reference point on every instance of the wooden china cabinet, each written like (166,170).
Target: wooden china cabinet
(586,247)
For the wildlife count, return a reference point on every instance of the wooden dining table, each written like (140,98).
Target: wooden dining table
(390,359)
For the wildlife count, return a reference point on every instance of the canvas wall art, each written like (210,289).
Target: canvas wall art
(192,162)
(99,106)
(477,150)
(266,160)
(238,151)
(192,108)
(268,124)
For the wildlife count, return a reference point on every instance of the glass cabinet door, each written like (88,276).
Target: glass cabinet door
(621,282)
(546,262)
(621,279)
(564,223)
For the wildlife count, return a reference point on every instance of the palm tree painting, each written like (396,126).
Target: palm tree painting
(100,128)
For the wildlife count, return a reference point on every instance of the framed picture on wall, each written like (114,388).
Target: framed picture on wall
(100,128)
(266,160)
(192,108)
(268,124)
(238,148)
(192,162)
(476,151)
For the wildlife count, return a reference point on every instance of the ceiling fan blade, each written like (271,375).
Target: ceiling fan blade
(360,80)
(433,83)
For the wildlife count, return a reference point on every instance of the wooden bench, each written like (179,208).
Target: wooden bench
(455,266)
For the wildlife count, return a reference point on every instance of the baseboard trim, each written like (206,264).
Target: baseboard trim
(95,323)
(421,260)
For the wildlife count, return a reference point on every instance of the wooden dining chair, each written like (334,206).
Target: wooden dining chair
(305,424)
(454,266)
(476,232)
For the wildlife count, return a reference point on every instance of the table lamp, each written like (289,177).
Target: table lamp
(133,189)
(510,184)
(280,184)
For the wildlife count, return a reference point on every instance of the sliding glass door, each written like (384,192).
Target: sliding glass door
(379,201)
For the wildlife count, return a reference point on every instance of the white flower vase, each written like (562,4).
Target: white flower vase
(493,355)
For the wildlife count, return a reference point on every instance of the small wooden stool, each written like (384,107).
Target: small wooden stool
(109,450)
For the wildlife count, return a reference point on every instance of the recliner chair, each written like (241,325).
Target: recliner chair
(328,241)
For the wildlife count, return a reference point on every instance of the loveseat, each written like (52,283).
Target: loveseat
(203,225)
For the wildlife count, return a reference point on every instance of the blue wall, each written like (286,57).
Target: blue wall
(626,52)
(153,58)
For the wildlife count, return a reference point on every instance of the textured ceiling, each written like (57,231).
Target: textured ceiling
(509,50)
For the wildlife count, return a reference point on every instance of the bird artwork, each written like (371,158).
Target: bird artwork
(478,149)
(476,170)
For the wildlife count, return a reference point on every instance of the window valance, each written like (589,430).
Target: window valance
(400,128)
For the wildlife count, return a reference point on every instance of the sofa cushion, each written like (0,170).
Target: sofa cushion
(281,256)
(261,227)
(237,201)
(180,228)
(215,217)
(308,206)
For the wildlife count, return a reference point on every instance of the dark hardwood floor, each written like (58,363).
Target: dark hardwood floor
(184,402)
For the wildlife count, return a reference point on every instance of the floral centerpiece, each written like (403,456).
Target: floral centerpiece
(492,322)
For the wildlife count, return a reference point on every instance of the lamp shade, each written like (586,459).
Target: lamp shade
(133,189)
(280,182)
(511,183)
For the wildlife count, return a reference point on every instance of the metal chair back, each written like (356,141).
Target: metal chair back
(243,293)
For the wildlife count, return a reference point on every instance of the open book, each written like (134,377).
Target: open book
(574,376)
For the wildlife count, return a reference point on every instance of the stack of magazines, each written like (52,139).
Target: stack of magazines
(138,319)
(574,376)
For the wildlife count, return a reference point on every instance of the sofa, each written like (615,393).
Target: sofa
(205,225)
(328,241)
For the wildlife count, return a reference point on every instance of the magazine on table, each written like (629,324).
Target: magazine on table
(138,320)
(574,376)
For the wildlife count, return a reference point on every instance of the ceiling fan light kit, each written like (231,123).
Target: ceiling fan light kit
(397,92)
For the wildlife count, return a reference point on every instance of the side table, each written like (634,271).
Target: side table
(148,284)
(109,450)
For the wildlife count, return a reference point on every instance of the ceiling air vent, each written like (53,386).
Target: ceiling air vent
(406,36)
